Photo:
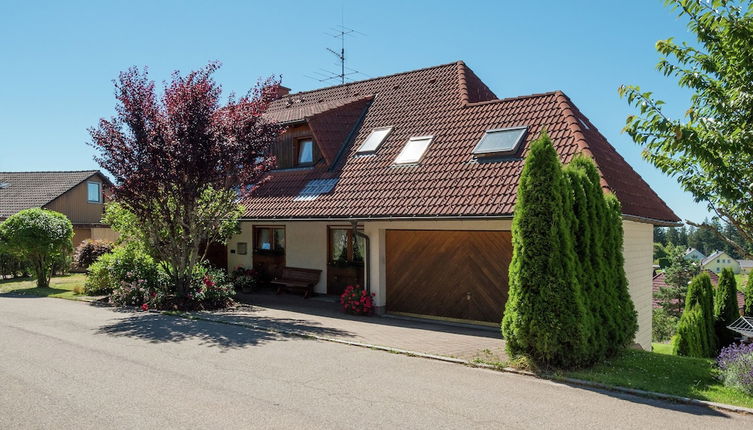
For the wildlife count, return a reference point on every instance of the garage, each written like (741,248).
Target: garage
(453,274)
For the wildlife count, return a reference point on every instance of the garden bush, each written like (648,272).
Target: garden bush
(736,365)
(89,250)
(696,334)
(98,279)
(725,307)
(355,300)
(39,236)
(244,279)
(664,325)
(545,316)
(123,269)
(12,266)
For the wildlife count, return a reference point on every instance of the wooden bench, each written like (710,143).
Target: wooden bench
(296,278)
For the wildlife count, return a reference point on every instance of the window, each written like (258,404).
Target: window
(94,192)
(305,152)
(345,248)
(414,150)
(269,240)
(376,137)
(501,141)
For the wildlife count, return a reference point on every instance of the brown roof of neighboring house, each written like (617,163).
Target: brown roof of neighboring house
(25,190)
(659,282)
(450,103)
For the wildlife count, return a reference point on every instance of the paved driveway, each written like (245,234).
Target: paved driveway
(70,365)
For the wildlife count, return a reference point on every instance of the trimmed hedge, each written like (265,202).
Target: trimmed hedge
(569,303)
(696,335)
(544,315)
(725,307)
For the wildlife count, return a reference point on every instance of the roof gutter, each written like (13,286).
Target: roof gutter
(654,221)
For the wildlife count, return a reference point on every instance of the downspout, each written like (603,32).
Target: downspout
(366,256)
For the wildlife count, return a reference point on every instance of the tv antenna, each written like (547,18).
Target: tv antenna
(338,32)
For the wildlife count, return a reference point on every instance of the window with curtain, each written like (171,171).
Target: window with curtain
(345,248)
(269,240)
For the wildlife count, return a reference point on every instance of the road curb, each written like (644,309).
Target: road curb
(481,365)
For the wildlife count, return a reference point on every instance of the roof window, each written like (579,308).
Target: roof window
(500,141)
(376,137)
(414,150)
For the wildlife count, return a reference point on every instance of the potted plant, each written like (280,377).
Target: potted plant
(356,301)
(245,280)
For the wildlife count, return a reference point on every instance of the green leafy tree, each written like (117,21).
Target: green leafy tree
(710,149)
(696,336)
(748,310)
(677,276)
(725,307)
(40,237)
(544,314)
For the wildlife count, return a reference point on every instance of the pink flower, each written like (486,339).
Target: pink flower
(144,307)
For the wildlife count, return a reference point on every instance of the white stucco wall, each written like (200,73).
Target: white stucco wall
(638,249)
(722,262)
(306,246)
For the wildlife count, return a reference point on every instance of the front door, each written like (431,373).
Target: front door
(269,251)
(345,259)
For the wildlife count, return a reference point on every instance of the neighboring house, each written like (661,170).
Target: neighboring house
(658,283)
(745,265)
(406,184)
(694,254)
(718,261)
(79,195)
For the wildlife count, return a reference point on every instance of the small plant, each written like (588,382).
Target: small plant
(88,251)
(736,365)
(78,290)
(244,279)
(355,300)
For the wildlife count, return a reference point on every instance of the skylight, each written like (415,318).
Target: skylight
(4,185)
(413,150)
(376,137)
(500,141)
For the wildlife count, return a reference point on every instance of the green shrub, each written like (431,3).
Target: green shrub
(725,307)
(98,280)
(664,325)
(748,309)
(125,265)
(545,315)
(89,250)
(696,335)
(39,236)
(12,266)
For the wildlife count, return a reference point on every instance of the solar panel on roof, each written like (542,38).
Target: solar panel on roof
(376,137)
(314,188)
(501,141)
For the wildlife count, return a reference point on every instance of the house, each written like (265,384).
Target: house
(719,260)
(745,266)
(79,195)
(406,184)
(659,282)
(693,254)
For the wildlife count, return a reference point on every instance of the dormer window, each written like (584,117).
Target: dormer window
(500,141)
(414,150)
(305,152)
(375,139)
(94,192)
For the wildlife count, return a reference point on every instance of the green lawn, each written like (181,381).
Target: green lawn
(659,372)
(662,348)
(61,286)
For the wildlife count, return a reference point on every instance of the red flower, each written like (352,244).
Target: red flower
(144,307)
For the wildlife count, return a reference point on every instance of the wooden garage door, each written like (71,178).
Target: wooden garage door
(454,274)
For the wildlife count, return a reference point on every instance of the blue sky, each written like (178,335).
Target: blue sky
(59,58)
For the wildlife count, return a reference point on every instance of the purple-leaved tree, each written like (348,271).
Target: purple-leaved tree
(181,160)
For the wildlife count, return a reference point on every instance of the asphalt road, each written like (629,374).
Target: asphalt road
(71,365)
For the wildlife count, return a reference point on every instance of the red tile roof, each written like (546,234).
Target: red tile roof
(659,282)
(450,103)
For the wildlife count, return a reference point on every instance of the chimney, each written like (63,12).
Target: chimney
(282,91)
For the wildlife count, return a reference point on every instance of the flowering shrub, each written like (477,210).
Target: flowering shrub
(357,301)
(137,293)
(244,279)
(736,364)
(125,264)
(211,289)
(89,251)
